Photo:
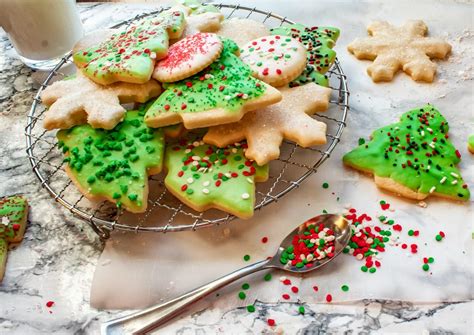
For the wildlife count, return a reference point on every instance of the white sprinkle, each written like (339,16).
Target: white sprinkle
(206,183)
(432,144)
(237,144)
(422,204)
(195,163)
(153,55)
(208,76)
(5,221)
(370,240)
(282,278)
(422,133)
(442,180)
(302,257)
(454,182)
(228,175)
(187,151)
(428,167)
(351,251)
(196,158)
(359,257)
(196,143)
(429,129)
(245,96)
(245,196)
(330,238)
(205,158)
(227,97)
(250,181)
(310,257)
(190,180)
(205,191)
(432,189)
(234,150)
(455,175)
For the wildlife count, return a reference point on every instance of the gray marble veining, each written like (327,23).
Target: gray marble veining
(56,260)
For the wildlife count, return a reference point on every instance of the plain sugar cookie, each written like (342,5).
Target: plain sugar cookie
(275,59)
(188,56)
(242,31)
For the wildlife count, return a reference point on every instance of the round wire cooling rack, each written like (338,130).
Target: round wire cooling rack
(165,213)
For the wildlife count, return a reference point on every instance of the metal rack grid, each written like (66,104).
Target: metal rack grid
(165,213)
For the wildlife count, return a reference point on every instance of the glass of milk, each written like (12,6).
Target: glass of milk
(41,31)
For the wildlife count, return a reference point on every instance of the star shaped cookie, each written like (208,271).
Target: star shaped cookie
(79,100)
(265,129)
(399,48)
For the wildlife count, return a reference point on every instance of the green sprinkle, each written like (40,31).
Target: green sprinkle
(116,195)
(91,179)
(133,196)
(345,288)
(246,258)
(245,286)
(242,295)
(189,191)
(267,277)
(301,310)
(372,270)
(251,308)
(361,141)
(430,260)
(124,189)
(426,267)
(410,232)
(299,264)
(363,268)
(438,238)
(325,185)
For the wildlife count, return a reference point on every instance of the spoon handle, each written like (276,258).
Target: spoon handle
(152,317)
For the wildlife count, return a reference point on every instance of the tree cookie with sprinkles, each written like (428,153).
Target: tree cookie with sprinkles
(265,129)
(13,218)
(413,158)
(276,60)
(203,176)
(130,55)
(78,100)
(400,48)
(114,164)
(318,42)
(187,57)
(222,93)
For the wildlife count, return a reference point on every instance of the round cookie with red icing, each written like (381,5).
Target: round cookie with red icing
(188,57)
(276,60)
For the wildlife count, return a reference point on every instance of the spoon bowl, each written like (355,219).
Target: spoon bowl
(144,321)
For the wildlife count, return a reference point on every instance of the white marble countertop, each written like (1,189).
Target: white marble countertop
(57,259)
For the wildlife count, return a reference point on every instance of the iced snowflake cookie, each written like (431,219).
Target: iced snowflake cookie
(265,129)
(222,93)
(276,59)
(242,31)
(78,100)
(130,55)
(203,176)
(13,217)
(318,42)
(413,158)
(114,165)
(399,48)
(470,144)
(188,57)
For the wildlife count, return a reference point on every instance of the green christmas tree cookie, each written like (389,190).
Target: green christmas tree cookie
(114,164)
(204,176)
(197,7)
(319,42)
(13,217)
(413,157)
(130,54)
(220,94)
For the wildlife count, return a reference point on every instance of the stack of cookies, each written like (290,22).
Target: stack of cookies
(214,101)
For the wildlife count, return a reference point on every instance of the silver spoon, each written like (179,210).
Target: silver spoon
(144,321)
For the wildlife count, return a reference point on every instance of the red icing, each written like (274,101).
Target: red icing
(186,49)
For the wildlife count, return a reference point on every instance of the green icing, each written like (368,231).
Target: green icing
(114,163)
(470,142)
(227,83)
(319,42)
(133,51)
(13,211)
(414,152)
(204,176)
(172,131)
(197,7)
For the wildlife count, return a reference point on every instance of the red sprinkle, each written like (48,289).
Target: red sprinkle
(285,296)
(315,288)
(287,282)
(271,322)
(50,304)
(264,239)
(328,298)
(294,289)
